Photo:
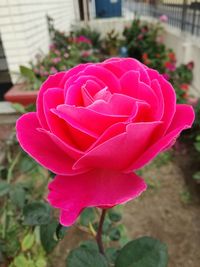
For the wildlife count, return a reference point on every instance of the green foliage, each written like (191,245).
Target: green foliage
(27,72)
(197,143)
(196,176)
(114,215)
(111,254)
(28,241)
(142,41)
(87,216)
(90,245)
(19,108)
(186,197)
(48,237)
(20,206)
(33,83)
(4,188)
(83,257)
(18,196)
(37,213)
(141,252)
(60,231)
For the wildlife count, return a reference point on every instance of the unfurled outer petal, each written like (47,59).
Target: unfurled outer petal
(183,119)
(118,152)
(98,188)
(40,146)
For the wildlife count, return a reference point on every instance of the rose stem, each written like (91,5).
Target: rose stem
(99,232)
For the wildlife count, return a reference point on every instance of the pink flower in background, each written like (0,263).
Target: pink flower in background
(193,101)
(36,71)
(56,60)
(52,46)
(83,39)
(166,76)
(190,65)
(86,53)
(140,36)
(163,18)
(46,73)
(97,123)
(160,39)
(57,52)
(170,66)
(53,70)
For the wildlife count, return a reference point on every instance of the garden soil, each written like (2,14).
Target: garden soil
(166,211)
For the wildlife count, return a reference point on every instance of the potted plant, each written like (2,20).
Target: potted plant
(112,43)
(24,92)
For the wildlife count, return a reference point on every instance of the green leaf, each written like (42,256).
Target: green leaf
(47,236)
(60,231)
(196,176)
(37,213)
(143,252)
(114,216)
(90,245)
(27,73)
(114,234)
(87,216)
(41,262)
(197,146)
(17,196)
(4,188)
(20,261)
(82,257)
(28,241)
(19,108)
(27,164)
(111,254)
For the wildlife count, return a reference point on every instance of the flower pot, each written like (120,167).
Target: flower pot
(113,51)
(18,94)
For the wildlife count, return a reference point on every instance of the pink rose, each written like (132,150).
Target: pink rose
(94,125)
(163,18)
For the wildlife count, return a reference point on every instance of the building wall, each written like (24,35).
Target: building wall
(187,48)
(24,31)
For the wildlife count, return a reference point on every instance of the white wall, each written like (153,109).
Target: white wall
(23,27)
(187,48)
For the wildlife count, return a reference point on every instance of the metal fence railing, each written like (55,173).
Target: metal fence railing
(183,14)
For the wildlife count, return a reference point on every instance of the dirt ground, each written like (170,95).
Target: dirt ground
(166,211)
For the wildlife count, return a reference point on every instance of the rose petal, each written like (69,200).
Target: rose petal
(98,188)
(52,98)
(179,124)
(118,152)
(117,104)
(104,75)
(41,147)
(87,120)
(73,71)
(51,82)
(158,113)
(113,68)
(131,64)
(133,87)
(169,97)
(82,136)
(73,88)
